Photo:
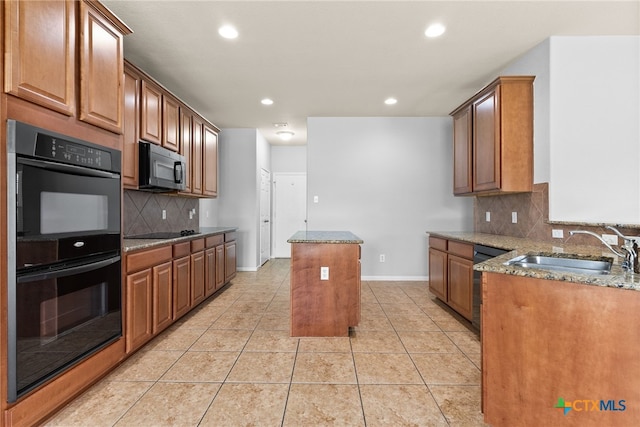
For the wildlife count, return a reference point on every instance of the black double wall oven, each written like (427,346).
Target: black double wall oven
(64,275)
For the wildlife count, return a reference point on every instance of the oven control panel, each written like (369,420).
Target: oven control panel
(70,152)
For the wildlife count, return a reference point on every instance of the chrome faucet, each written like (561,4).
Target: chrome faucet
(629,248)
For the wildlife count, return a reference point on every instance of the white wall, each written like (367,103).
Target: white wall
(595,129)
(289,158)
(388,180)
(241,154)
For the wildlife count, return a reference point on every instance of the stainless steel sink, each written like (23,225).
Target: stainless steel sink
(582,265)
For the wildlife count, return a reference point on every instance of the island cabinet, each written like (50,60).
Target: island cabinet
(148,290)
(325,283)
(80,45)
(493,139)
(562,353)
(451,273)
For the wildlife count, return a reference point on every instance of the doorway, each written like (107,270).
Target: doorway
(265,216)
(290,209)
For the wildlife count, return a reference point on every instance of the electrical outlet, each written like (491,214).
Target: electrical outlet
(611,239)
(382,258)
(324,273)
(315,199)
(557,234)
(164,214)
(487,216)
(514,217)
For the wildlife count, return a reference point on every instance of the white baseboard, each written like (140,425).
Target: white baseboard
(396,278)
(246,268)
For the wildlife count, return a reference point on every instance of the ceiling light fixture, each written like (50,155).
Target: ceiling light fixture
(390,101)
(267,101)
(435,30)
(228,32)
(285,135)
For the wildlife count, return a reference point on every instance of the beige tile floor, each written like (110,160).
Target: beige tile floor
(231,362)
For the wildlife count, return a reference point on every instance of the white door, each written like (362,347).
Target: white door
(265,216)
(290,209)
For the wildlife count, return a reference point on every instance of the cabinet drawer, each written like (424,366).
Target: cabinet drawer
(197,245)
(216,240)
(228,237)
(463,250)
(147,258)
(438,243)
(181,249)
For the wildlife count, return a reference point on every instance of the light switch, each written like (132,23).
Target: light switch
(487,216)
(315,199)
(514,217)
(324,273)
(164,214)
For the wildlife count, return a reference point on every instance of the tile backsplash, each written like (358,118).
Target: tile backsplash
(533,218)
(142,213)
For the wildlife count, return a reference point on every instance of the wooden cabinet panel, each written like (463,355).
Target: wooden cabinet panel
(486,148)
(40,53)
(186,144)
(438,273)
(170,123)
(493,139)
(181,286)
(210,162)
(162,297)
(460,292)
(220,263)
(196,156)
(130,133)
(138,326)
(101,70)
(209,271)
(462,153)
(229,261)
(197,278)
(150,112)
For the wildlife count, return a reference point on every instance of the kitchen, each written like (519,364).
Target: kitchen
(384,154)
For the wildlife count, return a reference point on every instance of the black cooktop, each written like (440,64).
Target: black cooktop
(164,235)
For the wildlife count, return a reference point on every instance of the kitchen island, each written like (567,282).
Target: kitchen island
(325,283)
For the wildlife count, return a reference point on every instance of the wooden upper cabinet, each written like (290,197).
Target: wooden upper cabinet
(130,133)
(486,153)
(150,112)
(462,153)
(210,162)
(196,158)
(170,123)
(186,143)
(101,70)
(493,139)
(40,53)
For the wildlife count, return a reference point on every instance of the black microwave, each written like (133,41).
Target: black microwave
(160,170)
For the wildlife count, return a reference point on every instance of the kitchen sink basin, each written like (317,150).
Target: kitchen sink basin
(564,263)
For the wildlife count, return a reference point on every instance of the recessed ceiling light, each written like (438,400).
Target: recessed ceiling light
(285,135)
(435,30)
(267,101)
(390,101)
(228,32)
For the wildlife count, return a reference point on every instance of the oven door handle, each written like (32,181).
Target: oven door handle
(33,277)
(76,170)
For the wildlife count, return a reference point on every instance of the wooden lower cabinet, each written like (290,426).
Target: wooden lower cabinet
(181,286)
(148,306)
(229,261)
(451,273)
(546,340)
(220,264)
(197,278)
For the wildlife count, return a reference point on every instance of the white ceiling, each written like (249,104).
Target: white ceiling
(344,58)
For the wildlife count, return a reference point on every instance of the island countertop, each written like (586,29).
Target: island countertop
(325,237)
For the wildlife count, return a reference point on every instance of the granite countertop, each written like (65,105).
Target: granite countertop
(129,245)
(522,246)
(325,237)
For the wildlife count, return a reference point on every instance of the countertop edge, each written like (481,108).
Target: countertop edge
(130,245)
(334,237)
